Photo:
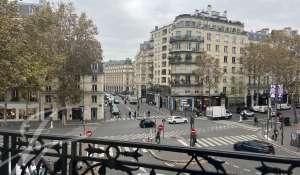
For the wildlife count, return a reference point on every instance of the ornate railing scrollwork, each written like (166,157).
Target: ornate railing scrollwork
(60,155)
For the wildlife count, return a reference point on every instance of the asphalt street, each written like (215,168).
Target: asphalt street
(211,134)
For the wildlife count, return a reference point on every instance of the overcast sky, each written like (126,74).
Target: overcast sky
(124,24)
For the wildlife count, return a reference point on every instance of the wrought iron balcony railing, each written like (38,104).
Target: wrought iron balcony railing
(186,38)
(53,154)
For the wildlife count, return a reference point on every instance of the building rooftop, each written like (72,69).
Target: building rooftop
(127,61)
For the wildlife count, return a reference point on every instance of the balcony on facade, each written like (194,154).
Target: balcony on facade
(176,60)
(186,38)
(185,50)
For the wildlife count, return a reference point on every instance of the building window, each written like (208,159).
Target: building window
(225,70)
(241,51)
(48,98)
(94,78)
(178,33)
(177,46)
(225,59)
(164,40)
(48,88)
(163,80)
(232,90)
(94,66)
(164,56)
(226,38)
(224,90)
(188,33)
(217,48)
(217,37)
(234,39)
(233,70)
(234,50)
(164,72)
(208,47)
(241,60)
(197,46)
(188,79)
(94,88)
(233,60)
(209,36)
(224,80)
(188,46)
(233,80)
(164,48)
(225,49)
(164,64)
(94,99)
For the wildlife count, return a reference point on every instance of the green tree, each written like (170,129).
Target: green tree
(208,72)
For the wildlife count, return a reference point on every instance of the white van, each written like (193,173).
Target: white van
(133,100)
(217,112)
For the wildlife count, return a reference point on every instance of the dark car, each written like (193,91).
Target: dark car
(255,146)
(147,123)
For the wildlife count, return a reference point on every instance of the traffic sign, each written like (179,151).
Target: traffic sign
(88,133)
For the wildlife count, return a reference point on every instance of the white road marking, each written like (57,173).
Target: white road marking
(143,169)
(126,149)
(145,150)
(202,143)
(241,138)
(245,137)
(219,140)
(232,139)
(215,142)
(235,166)
(245,169)
(169,164)
(208,142)
(226,140)
(198,145)
(182,142)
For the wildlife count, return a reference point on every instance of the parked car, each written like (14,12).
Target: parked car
(255,146)
(147,123)
(261,109)
(115,110)
(116,101)
(177,119)
(247,113)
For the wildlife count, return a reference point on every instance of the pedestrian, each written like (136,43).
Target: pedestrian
(157,137)
(275,134)
(134,114)
(129,114)
(148,113)
(255,121)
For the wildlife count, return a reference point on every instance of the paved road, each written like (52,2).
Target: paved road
(220,135)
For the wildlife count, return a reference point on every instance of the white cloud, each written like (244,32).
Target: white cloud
(123,24)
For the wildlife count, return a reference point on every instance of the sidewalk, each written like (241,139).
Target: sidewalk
(287,131)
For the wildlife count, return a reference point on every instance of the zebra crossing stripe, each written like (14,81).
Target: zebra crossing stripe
(182,142)
(241,138)
(226,140)
(208,142)
(254,136)
(247,137)
(202,143)
(232,139)
(145,150)
(198,145)
(220,140)
(215,142)
(236,138)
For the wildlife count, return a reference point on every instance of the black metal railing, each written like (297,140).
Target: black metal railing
(54,154)
(186,38)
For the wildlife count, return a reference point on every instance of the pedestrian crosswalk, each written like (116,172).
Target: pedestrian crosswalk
(112,152)
(173,133)
(238,125)
(219,141)
(124,118)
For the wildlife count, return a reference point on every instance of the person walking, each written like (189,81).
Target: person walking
(134,114)
(129,114)
(255,121)
(157,137)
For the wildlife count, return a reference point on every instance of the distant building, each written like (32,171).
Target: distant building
(26,9)
(119,76)
(176,47)
(143,69)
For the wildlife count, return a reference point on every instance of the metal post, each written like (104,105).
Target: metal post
(282,131)
(268,117)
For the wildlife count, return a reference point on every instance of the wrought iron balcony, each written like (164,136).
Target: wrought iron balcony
(186,38)
(54,154)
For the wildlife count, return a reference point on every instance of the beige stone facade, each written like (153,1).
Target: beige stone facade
(119,76)
(143,69)
(43,104)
